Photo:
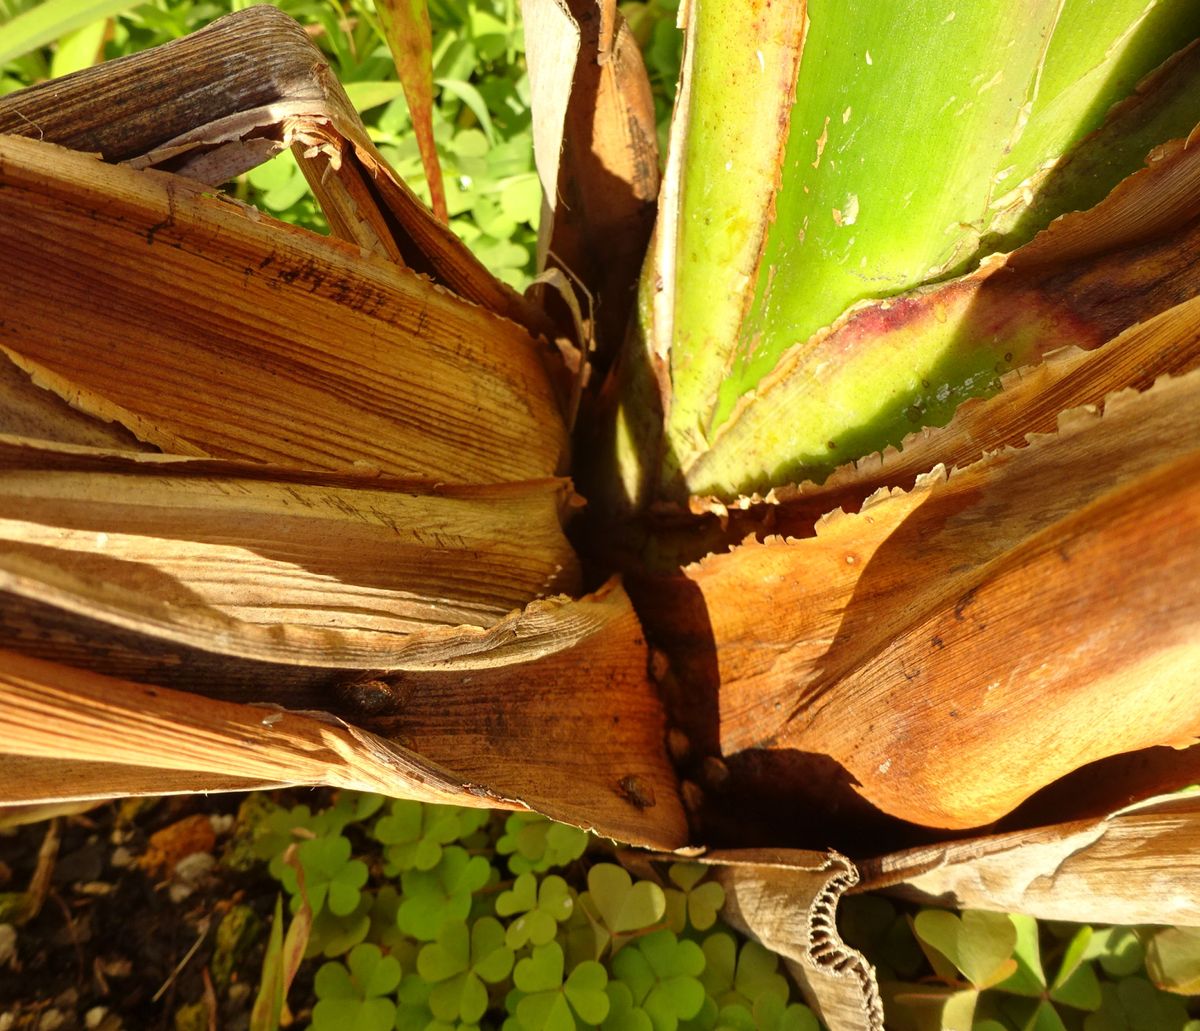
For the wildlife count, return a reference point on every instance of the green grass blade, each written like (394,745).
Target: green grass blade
(47,22)
(268,1004)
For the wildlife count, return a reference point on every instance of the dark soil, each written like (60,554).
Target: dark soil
(128,933)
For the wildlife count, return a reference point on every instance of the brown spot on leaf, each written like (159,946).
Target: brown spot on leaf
(637,791)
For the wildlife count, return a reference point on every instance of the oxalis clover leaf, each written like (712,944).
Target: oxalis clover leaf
(384,929)
(691,902)
(978,944)
(433,897)
(412,1004)
(353,807)
(1118,949)
(459,962)
(618,907)
(281,827)
(773,1014)
(623,1014)
(278,829)
(1074,985)
(547,1003)
(744,989)
(1173,960)
(1134,1004)
(414,833)
(535,844)
(770,1013)
(662,974)
(542,908)
(736,981)
(582,935)
(353,999)
(330,875)
(334,935)
(873,926)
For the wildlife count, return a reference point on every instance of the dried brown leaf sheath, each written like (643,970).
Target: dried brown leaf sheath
(551,708)
(226,98)
(1140,865)
(67,716)
(923,642)
(333,543)
(318,357)
(232,558)
(597,154)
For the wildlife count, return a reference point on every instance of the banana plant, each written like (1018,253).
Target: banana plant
(863,509)
(863,423)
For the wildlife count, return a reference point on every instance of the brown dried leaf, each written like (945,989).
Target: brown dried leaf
(62,714)
(559,712)
(1140,865)
(318,357)
(172,843)
(551,708)
(924,643)
(86,784)
(27,410)
(788,902)
(217,102)
(410,39)
(597,153)
(249,561)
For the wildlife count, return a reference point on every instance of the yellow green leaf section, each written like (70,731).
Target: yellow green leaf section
(877,394)
(918,132)
(731,127)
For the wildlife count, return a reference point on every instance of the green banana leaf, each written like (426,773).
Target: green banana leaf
(841,154)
